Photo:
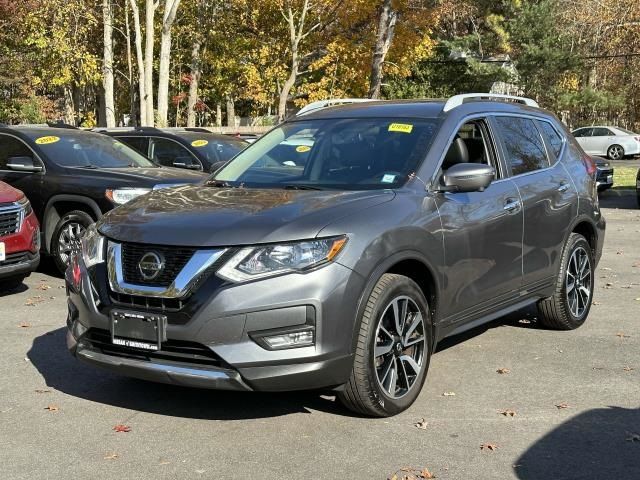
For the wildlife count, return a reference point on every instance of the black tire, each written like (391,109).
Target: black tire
(78,221)
(558,311)
(364,392)
(615,152)
(9,284)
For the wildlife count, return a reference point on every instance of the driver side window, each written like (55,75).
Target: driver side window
(471,144)
(12,147)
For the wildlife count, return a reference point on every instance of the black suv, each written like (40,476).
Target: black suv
(72,177)
(407,222)
(191,148)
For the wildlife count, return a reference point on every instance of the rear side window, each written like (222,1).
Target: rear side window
(12,147)
(522,144)
(601,132)
(141,144)
(583,132)
(553,137)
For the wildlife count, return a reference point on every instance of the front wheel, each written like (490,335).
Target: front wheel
(66,237)
(393,349)
(569,306)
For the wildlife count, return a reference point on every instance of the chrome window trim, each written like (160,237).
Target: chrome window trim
(197,264)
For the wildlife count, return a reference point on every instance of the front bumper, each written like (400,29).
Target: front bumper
(604,178)
(221,323)
(22,250)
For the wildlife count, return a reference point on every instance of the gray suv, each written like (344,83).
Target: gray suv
(340,261)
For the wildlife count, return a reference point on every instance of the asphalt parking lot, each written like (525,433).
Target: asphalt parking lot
(567,405)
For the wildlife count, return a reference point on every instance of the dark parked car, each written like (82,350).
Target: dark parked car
(19,238)
(604,175)
(73,177)
(638,186)
(408,222)
(191,148)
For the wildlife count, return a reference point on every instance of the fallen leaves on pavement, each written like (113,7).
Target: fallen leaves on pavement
(410,473)
(622,335)
(422,424)
(502,371)
(449,394)
(33,301)
(52,408)
(24,325)
(111,456)
(122,428)
(562,405)
(507,413)
(40,390)
(489,446)
(628,369)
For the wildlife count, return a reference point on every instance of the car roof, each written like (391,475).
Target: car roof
(33,131)
(167,132)
(425,109)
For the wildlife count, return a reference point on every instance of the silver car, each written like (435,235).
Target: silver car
(612,142)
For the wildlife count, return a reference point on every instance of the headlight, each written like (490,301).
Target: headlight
(92,246)
(26,206)
(120,196)
(260,262)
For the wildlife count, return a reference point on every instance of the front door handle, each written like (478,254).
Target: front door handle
(512,205)
(563,187)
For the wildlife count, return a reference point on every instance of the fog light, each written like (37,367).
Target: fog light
(303,338)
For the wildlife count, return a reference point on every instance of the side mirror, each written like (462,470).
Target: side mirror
(23,164)
(186,162)
(468,177)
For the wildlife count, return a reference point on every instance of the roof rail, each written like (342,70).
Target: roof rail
(458,100)
(61,125)
(196,129)
(320,104)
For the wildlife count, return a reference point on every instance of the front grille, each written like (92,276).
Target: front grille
(16,258)
(172,351)
(148,303)
(175,259)
(9,219)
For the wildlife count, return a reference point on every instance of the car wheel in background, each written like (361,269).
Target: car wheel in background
(569,306)
(393,349)
(615,152)
(66,237)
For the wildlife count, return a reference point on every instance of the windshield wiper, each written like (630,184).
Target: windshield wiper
(294,186)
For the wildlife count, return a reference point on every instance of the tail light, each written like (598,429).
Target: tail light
(589,164)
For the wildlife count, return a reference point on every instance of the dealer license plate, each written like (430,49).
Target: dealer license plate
(3,255)
(146,331)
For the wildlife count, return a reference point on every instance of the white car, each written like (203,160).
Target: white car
(612,142)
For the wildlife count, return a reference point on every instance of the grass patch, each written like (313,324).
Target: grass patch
(624,177)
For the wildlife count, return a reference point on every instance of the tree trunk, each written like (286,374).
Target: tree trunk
(384,37)
(169,16)
(107,68)
(150,9)
(196,71)
(218,115)
(142,120)
(132,93)
(286,88)
(231,112)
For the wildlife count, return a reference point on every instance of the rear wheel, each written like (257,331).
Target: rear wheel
(569,306)
(66,237)
(393,350)
(615,152)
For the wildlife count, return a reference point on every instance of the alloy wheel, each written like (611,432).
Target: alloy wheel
(400,348)
(616,152)
(578,282)
(69,241)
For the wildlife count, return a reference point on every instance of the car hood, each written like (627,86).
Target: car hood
(138,177)
(8,194)
(208,216)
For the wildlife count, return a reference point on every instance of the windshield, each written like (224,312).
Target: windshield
(214,148)
(89,150)
(345,154)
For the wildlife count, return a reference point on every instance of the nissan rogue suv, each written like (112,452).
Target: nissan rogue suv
(408,221)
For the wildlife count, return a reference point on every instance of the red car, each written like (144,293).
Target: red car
(19,237)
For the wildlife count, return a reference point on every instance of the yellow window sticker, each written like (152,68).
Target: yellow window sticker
(47,140)
(199,143)
(401,127)
(303,148)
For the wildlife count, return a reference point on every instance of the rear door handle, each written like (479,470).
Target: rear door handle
(512,205)
(563,187)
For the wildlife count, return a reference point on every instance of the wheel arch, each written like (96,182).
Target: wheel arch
(58,206)
(413,265)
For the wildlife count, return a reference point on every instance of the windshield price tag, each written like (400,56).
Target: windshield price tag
(401,127)
(47,140)
(199,143)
